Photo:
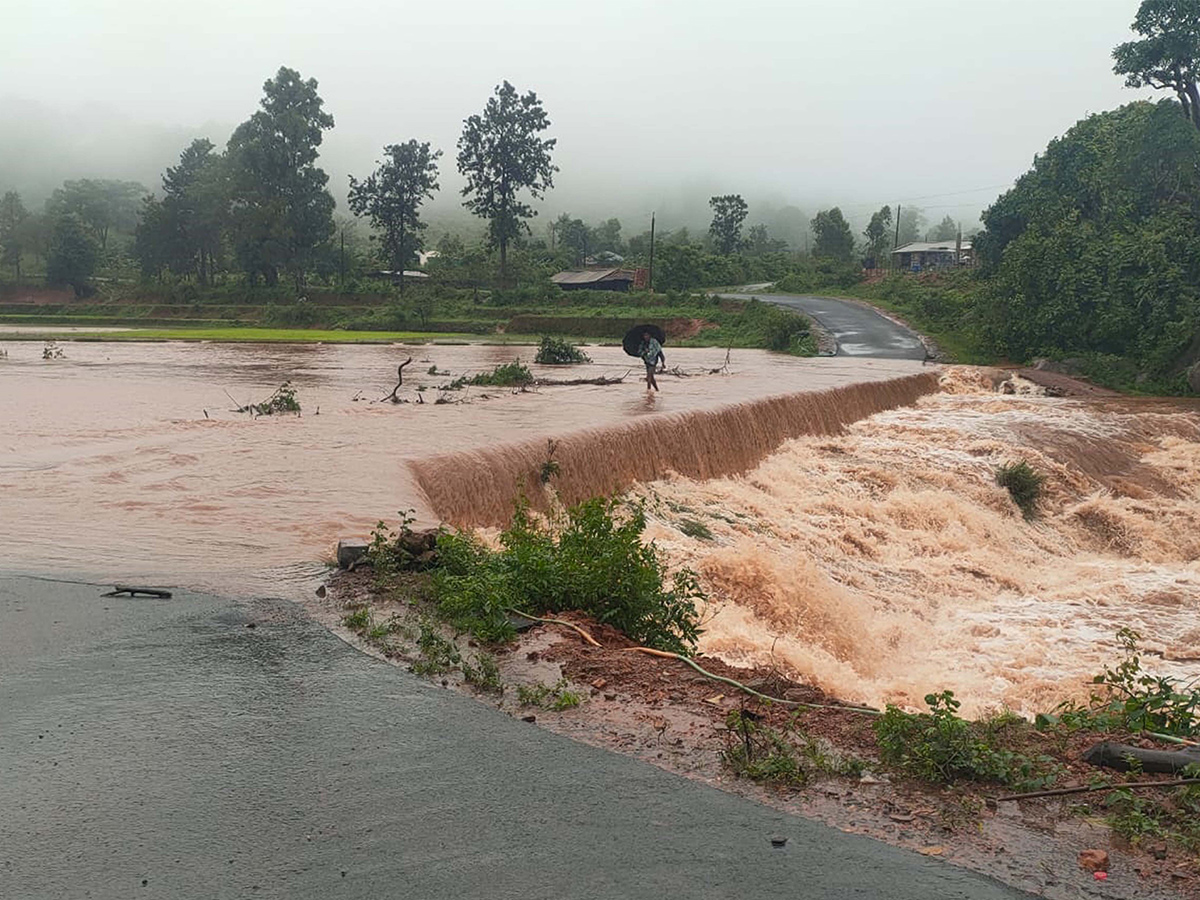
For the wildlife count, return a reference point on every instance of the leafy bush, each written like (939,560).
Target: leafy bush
(1024,485)
(1130,699)
(513,374)
(941,747)
(595,563)
(555,351)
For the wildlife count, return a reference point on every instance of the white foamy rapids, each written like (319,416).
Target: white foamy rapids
(887,563)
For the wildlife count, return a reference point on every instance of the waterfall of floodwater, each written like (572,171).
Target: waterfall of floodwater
(886,563)
(478,487)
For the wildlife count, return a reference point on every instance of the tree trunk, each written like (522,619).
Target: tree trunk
(1194,97)
(1111,755)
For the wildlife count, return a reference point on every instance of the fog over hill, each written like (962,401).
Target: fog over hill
(655,107)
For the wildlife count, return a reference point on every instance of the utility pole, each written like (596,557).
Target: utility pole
(650,279)
(896,240)
(342,260)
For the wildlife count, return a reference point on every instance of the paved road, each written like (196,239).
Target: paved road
(858,329)
(164,749)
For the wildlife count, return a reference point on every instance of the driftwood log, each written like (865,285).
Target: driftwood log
(399,381)
(1112,755)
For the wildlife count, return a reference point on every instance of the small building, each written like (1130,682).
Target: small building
(921,256)
(595,280)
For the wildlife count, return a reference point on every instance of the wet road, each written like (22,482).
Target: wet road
(858,329)
(165,749)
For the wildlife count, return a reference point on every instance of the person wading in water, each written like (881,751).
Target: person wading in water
(650,350)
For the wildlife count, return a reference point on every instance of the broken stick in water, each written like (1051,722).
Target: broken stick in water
(399,381)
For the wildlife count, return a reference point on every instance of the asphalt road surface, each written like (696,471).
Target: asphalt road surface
(164,748)
(858,329)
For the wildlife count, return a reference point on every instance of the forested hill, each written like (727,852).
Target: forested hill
(1096,250)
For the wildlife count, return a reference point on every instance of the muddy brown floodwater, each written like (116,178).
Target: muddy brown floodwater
(126,461)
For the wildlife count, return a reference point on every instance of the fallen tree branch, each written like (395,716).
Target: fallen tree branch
(749,690)
(583,634)
(1087,788)
(566,382)
(399,381)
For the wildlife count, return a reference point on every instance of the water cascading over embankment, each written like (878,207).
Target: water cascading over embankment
(478,487)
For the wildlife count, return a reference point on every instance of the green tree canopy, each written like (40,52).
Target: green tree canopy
(833,238)
(1168,55)
(392,196)
(879,233)
(72,255)
(100,204)
(729,212)
(501,154)
(281,211)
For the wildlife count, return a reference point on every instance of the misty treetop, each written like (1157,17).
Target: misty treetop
(100,204)
(501,154)
(729,212)
(392,196)
(832,236)
(1168,55)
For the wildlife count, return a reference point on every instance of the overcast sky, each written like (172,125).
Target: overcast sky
(857,102)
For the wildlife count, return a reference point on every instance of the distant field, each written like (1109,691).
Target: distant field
(259,335)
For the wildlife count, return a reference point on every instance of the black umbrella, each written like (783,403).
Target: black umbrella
(633,337)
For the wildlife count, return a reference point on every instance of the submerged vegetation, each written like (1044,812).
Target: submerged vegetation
(555,351)
(1023,484)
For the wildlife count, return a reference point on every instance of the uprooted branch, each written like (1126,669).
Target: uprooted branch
(399,381)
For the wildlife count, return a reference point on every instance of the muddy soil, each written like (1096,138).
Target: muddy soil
(665,713)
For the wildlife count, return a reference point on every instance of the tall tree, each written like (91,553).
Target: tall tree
(1168,55)
(280,209)
(729,212)
(13,215)
(945,230)
(833,238)
(392,195)
(72,256)
(879,233)
(195,205)
(501,154)
(100,204)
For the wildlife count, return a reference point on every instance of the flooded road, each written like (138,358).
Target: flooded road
(126,461)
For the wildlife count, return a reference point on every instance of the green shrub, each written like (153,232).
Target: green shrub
(513,374)
(941,747)
(555,351)
(1130,699)
(1024,485)
(596,563)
